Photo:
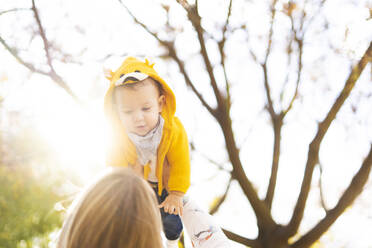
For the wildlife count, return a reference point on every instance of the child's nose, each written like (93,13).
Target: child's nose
(138,116)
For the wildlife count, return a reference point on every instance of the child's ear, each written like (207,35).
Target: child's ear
(161,102)
(108,73)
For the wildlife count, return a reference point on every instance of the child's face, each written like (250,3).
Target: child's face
(139,107)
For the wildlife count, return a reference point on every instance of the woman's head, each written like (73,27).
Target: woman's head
(118,211)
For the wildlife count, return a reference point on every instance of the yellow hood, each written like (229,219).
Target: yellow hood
(173,146)
(132,64)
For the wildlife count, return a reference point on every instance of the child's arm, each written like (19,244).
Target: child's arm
(178,158)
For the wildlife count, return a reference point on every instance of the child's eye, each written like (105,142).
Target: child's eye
(146,109)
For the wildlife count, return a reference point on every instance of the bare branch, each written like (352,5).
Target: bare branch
(278,123)
(271,31)
(313,153)
(184,4)
(264,64)
(42,34)
(226,24)
(242,240)
(13,10)
(221,200)
(155,35)
(195,20)
(254,56)
(14,53)
(299,41)
(299,38)
(320,184)
(218,165)
(353,190)
(188,81)
(221,46)
(270,106)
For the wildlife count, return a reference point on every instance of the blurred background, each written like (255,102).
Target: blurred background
(275,95)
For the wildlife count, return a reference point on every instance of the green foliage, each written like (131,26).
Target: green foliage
(26,208)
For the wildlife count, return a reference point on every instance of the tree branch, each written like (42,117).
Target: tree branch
(13,10)
(195,20)
(14,53)
(181,66)
(278,123)
(221,200)
(264,64)
(42,34)
(218,165)
(352,192)
(321,193)
(155,35)
(313,153)
(299,41)
(270,106)
(271,31)
(242,240)
(221,46)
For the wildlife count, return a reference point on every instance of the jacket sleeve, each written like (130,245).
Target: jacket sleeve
(179,160)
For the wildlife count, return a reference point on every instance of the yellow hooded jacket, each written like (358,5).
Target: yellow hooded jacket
(173,147)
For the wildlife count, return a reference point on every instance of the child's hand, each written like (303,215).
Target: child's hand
(173,203)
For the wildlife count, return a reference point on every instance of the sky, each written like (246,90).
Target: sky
(76,134)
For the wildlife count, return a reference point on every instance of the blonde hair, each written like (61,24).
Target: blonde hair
(118,211)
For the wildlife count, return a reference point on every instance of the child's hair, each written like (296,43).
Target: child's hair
(118,211)
(136,84)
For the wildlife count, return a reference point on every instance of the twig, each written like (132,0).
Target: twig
(13,10)
(322,200)
(221,46)
(14,53)
(299,41)
(221,200)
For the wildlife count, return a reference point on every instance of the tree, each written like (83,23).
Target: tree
(212,39)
